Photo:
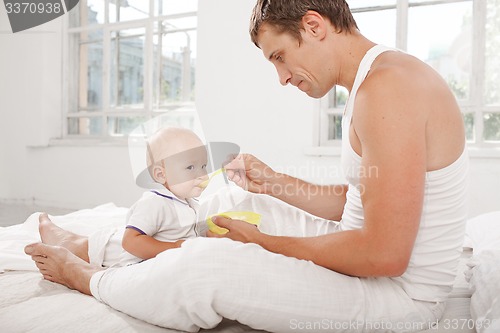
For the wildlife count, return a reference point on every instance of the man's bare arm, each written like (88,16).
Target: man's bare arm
(250,173)
(326,201)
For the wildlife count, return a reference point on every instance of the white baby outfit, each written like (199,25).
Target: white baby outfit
(207,279)
(159,214)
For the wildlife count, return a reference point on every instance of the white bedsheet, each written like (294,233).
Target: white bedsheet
(484,272)
(13,239)
(30,304)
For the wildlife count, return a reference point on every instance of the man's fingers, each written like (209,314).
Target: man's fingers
(221,221)
(235,162)
(213,235)
(231,174)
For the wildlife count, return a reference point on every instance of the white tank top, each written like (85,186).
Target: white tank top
(433,263)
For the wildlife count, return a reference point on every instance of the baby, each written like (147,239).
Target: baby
(167,215)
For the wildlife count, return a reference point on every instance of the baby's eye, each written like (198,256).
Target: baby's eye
(191,167)
(204,166)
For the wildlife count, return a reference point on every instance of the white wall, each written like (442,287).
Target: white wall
(31,113)
(239,99)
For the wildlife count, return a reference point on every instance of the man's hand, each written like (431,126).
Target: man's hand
(238,230)
(251,174)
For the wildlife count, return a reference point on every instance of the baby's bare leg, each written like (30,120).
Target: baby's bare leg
(51,234)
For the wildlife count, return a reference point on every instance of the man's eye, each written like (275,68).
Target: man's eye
(279,58)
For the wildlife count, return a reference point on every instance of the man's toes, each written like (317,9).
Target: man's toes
(30,249)
(40,265)
(50,278)
(39,250)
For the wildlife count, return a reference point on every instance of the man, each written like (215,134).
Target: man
(390,262)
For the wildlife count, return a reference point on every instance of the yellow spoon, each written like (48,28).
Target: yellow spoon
(204,184)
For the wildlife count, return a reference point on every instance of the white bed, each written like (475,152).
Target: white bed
(30,304)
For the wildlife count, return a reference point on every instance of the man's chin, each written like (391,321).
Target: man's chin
(314,94)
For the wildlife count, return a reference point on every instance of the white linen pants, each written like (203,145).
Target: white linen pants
(207,279)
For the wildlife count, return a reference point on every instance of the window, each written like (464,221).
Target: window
(129,61)
(458,38)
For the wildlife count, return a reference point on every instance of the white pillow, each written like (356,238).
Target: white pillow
(483,232)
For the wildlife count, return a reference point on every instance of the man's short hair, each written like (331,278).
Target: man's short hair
(286,15)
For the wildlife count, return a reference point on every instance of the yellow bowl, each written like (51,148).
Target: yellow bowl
(249,217)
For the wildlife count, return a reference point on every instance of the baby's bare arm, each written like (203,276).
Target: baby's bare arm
(144,246)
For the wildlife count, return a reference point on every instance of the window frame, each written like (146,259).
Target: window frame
(71,81)
(474,104)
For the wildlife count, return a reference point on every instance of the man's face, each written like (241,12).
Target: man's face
(296,62)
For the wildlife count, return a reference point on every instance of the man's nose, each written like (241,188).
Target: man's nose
(284,76)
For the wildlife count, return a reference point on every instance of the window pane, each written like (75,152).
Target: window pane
(173,71)
(469,127)
(89,74)
(492,65)
(127,70)
(491,130)
(183,117)
(334,127)
(441,35)
(378,26)
(88,12)
(120,126)
(127,10)
(355,4)
(85,126)
(115,85)
(420,1)
(337,97)
(184,23)
(169,7)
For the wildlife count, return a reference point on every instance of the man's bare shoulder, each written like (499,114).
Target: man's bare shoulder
(400,70)
(397,83)
(404,97)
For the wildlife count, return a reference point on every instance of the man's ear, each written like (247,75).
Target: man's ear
(314,24)
(159,174)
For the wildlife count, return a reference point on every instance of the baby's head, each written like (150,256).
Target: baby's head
(177,159)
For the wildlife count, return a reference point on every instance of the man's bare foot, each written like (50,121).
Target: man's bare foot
(58,264)
(51,234)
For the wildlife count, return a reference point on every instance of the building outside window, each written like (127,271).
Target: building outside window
(458,38)
(129,61)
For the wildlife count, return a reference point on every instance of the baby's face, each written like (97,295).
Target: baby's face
(186,171)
